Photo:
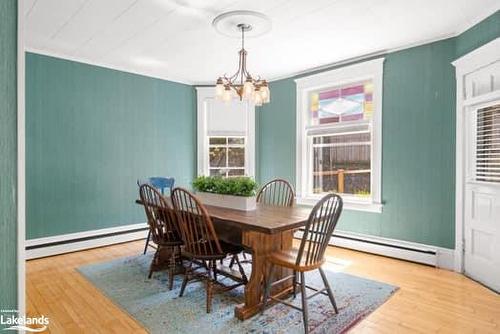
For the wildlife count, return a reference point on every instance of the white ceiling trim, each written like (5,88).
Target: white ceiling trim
(108,66)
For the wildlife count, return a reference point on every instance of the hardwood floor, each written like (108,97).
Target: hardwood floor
(429,299)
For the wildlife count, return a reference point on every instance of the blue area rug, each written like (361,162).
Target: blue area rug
(161,311)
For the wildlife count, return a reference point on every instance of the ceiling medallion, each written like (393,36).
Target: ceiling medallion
(242,83)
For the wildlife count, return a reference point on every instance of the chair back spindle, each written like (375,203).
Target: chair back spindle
(318,230)
(198,233)
(162,219)
(277,192)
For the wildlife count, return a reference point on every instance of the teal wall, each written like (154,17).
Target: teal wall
(91,132)
(418,164)
(8,154)
(418,132)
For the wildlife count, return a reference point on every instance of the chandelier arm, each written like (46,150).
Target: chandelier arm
(226,81)
(245,72)
(234,77)
(243,59)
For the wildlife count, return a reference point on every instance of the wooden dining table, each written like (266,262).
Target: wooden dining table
(262,231)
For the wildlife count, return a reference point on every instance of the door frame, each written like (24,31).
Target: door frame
(464,65)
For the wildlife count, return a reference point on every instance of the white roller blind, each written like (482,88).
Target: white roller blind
(488,144)
(226,119)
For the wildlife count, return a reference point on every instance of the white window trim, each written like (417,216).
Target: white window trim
(369,70)
(205,94)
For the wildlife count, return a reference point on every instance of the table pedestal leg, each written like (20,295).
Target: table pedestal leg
(262,245)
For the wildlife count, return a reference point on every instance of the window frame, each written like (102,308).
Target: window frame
(368,70)
(205,96)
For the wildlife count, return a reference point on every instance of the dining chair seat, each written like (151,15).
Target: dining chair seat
(168,243)
(289,257)
(226,247)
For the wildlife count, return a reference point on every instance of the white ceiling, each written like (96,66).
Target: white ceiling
(174,39)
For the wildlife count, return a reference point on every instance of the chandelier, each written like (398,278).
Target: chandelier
(241,83)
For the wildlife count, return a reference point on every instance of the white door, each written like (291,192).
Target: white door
(482,195)
(478,164)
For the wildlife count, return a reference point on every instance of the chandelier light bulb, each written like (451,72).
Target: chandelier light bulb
(227,94)
(248,88)
(257,98)
(219,88)
(264,92)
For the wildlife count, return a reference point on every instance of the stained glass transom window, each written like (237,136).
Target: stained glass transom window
(347,103)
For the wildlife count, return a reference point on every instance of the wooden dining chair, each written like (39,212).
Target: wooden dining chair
(202,247)
(164,228)
(161,184)
(309,256)
(277,192)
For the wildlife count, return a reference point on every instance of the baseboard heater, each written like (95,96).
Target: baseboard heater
(415,252)
(42,247)
(399,249)
(385,244)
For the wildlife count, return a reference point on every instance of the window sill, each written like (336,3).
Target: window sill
(349,204)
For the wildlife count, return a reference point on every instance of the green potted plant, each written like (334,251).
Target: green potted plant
(232,192)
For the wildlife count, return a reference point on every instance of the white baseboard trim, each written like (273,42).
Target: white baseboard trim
(66,243)
(404,250)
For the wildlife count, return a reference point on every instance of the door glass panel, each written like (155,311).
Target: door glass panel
(488,144)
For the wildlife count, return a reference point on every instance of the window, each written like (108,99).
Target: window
(342,156)
(227,156)
(226,136)
(339,135)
